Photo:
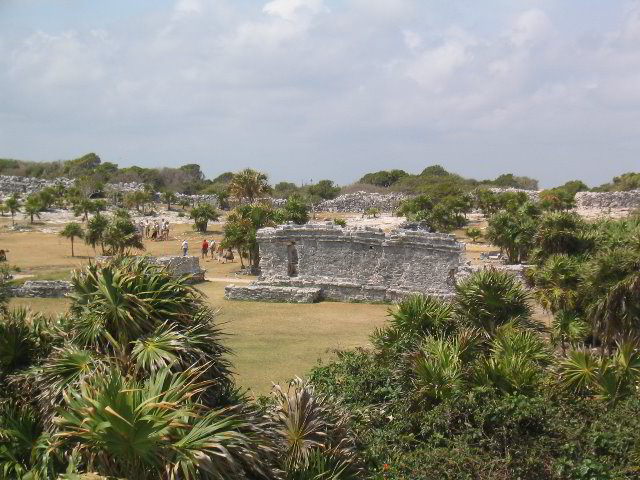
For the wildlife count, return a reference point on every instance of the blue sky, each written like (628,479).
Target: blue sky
(310,89)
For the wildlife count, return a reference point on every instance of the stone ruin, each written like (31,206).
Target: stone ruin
(313,262)
(362,201)
(602,200)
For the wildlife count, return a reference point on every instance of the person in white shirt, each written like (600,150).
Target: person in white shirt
(185,248)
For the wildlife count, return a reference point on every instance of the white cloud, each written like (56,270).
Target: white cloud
(529,28)
(184,8)
(292,10)
(432,67)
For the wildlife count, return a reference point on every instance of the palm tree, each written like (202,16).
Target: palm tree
(491,298)
(3,207)
(96,226)
(169,198)
(121,235)
(313,434)
(557,282)
(71,231)
(201,216)
(135,383)
(608,379)
(416,317)
(249,184)
(13,204)
(611,289)
(568,327)
(32,207)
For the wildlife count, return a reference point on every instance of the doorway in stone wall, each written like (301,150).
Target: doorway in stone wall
(292,256)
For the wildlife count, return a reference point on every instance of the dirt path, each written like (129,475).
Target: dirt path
(229,280)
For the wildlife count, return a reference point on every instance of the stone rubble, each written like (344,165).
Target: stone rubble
(604,200)
(41,289)
(360,202)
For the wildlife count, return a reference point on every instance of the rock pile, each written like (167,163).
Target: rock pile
(361,202)
(602,200)
(41,289)
(534,195)
(10,184)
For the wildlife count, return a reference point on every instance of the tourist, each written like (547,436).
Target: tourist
(185,248)
(212,247)
(205,248)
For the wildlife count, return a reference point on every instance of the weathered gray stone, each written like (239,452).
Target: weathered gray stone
(41,289)
(602,200)
(176,265)
(359,202)
(271,293)
(362,264)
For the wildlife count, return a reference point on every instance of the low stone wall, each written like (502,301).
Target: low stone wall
(179,266)
(602,200)
(41,289)
(270,293)
(176,265)
(359,202)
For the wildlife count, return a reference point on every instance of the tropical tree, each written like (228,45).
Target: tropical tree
(3,207)
(96,227)
(133,383)
(606,378)
(313,434)
(32,207)
(202,214)
(169,198)
(83,207)
(241,227)
(513,232)
(568,327)
(491,298)
(248,184)
(561,233)
(325,189)
(411,320)
(13,205)
(71,231)
(294,210)
(121,235)
(474,233)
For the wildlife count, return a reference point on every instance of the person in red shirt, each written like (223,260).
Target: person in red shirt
(205,248)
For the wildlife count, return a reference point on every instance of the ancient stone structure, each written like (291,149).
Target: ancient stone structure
(10,184)
(41,288)
(176,265)
(361,201)
(603,200)
(326,262)
(179,266)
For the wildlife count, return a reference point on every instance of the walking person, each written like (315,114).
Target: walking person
(185,248)
(205,248)
(212,247)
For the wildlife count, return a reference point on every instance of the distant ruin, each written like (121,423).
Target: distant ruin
(313,262)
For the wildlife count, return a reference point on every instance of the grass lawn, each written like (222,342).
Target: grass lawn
(273,342)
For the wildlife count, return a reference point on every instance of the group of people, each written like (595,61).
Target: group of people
(154,230)
(212,247)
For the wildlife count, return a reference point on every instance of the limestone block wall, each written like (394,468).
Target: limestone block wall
(630,199)
(179,266)
(361,201)
(361,264)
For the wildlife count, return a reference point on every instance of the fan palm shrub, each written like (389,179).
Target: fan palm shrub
(568,327)
(313,434)
(414,318)
(491,298)
(606,378)
(149,429)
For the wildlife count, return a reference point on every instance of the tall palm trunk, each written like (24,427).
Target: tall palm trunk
(72,247)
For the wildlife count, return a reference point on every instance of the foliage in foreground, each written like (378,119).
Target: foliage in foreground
(472,390)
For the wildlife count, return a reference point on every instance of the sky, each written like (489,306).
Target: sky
(313,89)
